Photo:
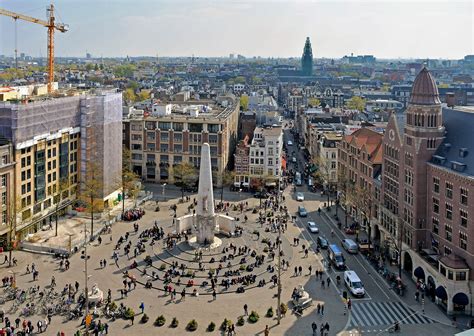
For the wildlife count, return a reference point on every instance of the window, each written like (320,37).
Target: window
(449,190)
(447,251)
(431,143)
(463,240)
(164,136)
(436,185)
(270,162)
(442,270)
(212,138)
(150,146)
(195,127)
(448,232)
(409,159)
(178,137)
(136,147)
(150,136)
(449,211)
(408,177)
(136,156)
(435,226)
(164,126)
(178,148)
(436,205)
(213,128)
(4,180)
(463,215)
(461,276)
(464,196)
(150,125)
(164,148)
(178,126)
(409,141)
(136,137)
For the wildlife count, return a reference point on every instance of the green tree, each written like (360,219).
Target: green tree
(125,70)
(185,175)
(240,80)
(314,102)
(244,102)
(356,103)
(143,95)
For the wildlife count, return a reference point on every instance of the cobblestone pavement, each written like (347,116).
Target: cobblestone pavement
(203,308)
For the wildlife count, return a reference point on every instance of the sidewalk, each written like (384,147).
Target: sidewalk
(431,309)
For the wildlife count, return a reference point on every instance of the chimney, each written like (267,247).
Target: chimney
(450,100)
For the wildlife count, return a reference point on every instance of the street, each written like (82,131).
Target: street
(380,307)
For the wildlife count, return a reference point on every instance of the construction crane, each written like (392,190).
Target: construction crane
(51,25)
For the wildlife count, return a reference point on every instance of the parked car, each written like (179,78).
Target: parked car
(312,227)
(293,159)
(322,242)
(350,246)
(290,143)
(300,197)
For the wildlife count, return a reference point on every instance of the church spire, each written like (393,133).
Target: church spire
(307,59)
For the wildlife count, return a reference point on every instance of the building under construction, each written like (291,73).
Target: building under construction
(56,142)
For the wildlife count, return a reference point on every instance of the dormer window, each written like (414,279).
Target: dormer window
(463,152)
(458,166)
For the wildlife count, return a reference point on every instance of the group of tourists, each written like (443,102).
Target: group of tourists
(133,214)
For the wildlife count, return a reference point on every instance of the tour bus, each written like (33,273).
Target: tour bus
(336,257)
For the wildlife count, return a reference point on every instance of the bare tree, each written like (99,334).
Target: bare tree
(346,192)
(222,180)
(13,208)
(91,191)
(63,192)
(323,173)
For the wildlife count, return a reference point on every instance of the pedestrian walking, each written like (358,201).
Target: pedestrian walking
(328,280)
(266,332)
(246,309)
(314,327)
(310,269)
(142,307)
(319,308)
(132,318)
(322,284)
(296,270)
(417,295)
(214,295)
(322,310)
(300,270)
(306,253)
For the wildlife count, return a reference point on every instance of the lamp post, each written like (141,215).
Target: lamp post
(163,191)
(279,271)
(86,280)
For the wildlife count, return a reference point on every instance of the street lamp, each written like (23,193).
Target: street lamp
(279,270)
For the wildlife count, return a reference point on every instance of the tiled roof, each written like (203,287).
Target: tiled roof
(424,91)
(370,140)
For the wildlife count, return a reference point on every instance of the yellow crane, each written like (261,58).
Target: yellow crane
(51,25)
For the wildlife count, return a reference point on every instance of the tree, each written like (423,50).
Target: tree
(91,191)
(63,187)
(129,180)
(356,103)
(323,173)
(125,70)
(129,96)
(185,175)
(224,179)
(143,95)
(314,102)
(13,208)
(345,187)
(244,102)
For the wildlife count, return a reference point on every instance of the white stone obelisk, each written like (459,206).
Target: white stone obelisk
(205,217)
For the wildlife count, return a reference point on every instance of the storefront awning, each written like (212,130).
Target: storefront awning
(441,293)
(419,273)
(461,299)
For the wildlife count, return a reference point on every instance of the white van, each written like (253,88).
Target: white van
(354,284)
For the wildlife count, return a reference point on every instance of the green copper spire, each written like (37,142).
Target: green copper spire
(307,59)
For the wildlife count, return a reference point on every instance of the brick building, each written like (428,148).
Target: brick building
(427,180)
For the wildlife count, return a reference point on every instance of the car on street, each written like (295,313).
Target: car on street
(293,160)
(322,242)
(300,197)
(302,211)
(353,283)
(312,227)
(350,246)
(290,143)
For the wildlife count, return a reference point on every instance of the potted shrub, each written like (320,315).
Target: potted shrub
(112,306)
(283,309)
(270,312)
(253,317)
(242,267)
(192,325)
(129,313)
(144,318)
(240,321)
(160,321)
(211,327)
(265,249)
(174,322)
(162,267)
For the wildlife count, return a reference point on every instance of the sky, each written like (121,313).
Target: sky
(267,28)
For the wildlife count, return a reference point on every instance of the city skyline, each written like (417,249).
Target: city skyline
(262,28)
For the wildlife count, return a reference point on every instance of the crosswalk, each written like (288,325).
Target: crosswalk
(368,314)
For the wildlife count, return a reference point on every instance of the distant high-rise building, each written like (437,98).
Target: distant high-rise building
(307,59)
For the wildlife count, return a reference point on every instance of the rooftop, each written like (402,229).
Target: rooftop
(425,91)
